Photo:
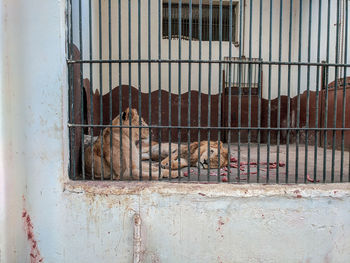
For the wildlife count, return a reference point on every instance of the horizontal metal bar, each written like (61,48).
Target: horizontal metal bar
(202,61)
(73,125)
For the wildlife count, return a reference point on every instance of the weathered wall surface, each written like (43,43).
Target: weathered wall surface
(45,218)
(208,223)
(181,83)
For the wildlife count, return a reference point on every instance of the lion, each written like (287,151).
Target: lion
(156,152)
(122,166)
(172,162)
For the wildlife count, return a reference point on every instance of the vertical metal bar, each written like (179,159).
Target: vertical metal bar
(317,87)
(288,103)
(159,83)
(326,98)
(199,82)
(139,85)
(189,89)
(169,94)
(344,91)
(72,106)
(335,92)
(298,106)
(308,94)
(149,84)
(67,10)
(81,90)
(269,99)
(120,87)
(259,92)
(129,73)
(346,61)
(209,80)
(101,91)
(110,86)
(229,90)
(91,130)
(250,85)
(220,86)
(279,92)
(179,90)
(239,89)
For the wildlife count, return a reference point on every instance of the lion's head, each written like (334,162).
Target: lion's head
(213,149)
(213,156)
(132,114)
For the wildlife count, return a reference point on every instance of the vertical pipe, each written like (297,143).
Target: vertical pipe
(137,241)
(308,94)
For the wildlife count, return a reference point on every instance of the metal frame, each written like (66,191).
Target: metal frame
(244,65)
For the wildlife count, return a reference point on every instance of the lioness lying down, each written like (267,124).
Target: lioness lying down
(122,165)
(153,153)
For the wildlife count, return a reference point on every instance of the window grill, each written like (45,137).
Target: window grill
(271,108)
(205,14)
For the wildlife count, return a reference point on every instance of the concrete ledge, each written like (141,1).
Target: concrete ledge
(337,191)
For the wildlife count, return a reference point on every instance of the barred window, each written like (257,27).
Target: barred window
(205,12)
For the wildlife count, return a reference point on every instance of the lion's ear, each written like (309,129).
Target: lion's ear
(124,115)
(193,146)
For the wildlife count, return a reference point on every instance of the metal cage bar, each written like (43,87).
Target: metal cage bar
(274,108)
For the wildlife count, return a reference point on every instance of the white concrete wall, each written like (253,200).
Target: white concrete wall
(205,45)
(44,214)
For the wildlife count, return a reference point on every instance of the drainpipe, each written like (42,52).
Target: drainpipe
(137,238)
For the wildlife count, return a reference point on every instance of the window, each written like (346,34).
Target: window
(185,22)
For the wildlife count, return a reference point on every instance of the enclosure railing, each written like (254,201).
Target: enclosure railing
(271,86)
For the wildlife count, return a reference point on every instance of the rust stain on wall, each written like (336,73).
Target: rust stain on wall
(220,224)
(35,256)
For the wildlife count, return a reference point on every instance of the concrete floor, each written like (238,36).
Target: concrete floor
(279,173)
(296,166)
